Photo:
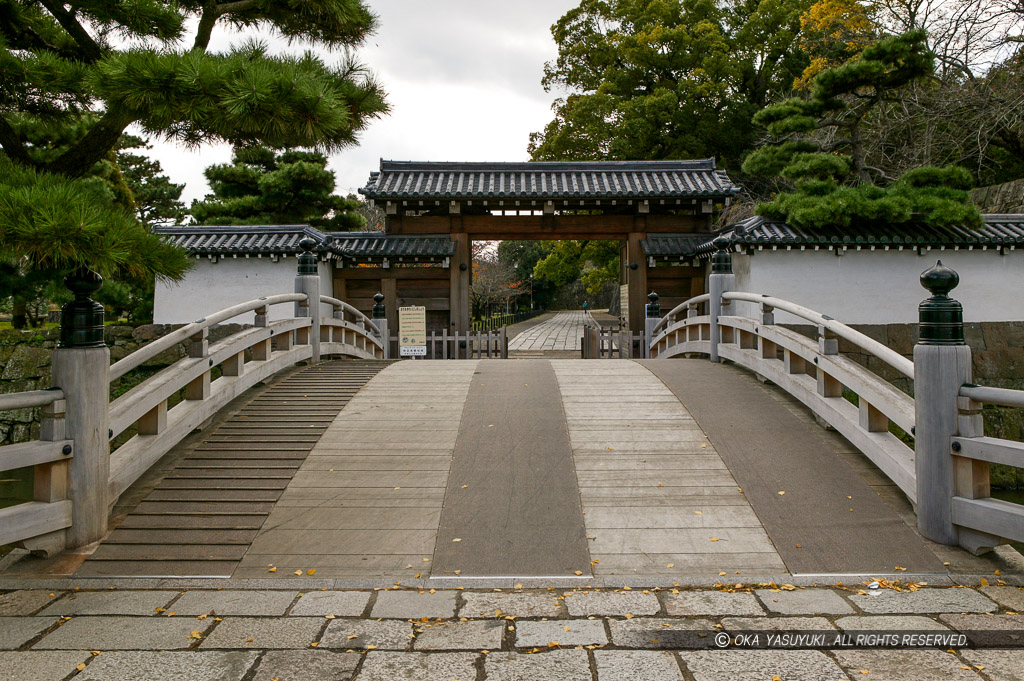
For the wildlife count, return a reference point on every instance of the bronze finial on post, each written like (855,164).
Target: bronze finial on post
(81,320)
(720,281)
(307,281)
(941,318)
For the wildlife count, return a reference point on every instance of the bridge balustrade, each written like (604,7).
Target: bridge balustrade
(76,476)
(932,447)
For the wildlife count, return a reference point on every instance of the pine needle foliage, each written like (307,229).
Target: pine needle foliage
(818,144)
(261,187)
(74,75)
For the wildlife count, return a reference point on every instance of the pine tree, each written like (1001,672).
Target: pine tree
(261,187)
(157,199)
(818,144)
(77,74)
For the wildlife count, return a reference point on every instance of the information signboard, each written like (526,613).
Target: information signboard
(412,331)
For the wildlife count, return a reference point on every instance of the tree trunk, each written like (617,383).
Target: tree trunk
(19,316)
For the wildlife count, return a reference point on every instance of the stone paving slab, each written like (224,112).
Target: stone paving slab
(998,665)
(413,604)
(307,665)
(633,665)
(44,666)
(122,633)
(16,631)
(1010,597)
(817,601)
(168,666)
(560,632)
(884,601)
(25,602)
(711,603)
(388,666)
(514,604)
(141,603)
(564,665)
(612,603)
(368,634)
(224,603)
(265,633)
(744,665)
(475,635)
(903,665)
(337,603)
(889,623)
(986,630)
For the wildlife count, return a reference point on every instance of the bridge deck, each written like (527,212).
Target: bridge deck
(484,468)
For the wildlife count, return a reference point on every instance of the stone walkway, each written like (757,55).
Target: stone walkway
(303,632)
(562,332)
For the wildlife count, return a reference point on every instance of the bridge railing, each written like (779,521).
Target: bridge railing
(936,453)
(77,477)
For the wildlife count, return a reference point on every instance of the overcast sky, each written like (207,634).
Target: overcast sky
(462,77)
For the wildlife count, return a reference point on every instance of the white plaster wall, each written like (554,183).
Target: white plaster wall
(883,287)
(209,287)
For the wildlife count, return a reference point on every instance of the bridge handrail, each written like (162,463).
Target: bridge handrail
(1003,397)
(30,399)
(359,316)
(873,347)
(678,309)
(144,354)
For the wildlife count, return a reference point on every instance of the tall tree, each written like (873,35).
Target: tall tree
(79,73)
(261,187)
(656,79)
(818,144)
(157,199)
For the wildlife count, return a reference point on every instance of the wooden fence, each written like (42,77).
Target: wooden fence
(611,343)
(490,344)
(936,452)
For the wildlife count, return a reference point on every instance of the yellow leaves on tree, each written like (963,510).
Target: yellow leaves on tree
(832,33)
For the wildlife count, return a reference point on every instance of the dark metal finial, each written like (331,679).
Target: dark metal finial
(379,311)
(941,318)
(721,261)
(307,260)
(654,308)
(81,320)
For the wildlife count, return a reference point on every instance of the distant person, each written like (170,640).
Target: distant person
(584,306)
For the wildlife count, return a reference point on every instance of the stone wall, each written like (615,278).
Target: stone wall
(998,358)
(1000,198)
(25,365)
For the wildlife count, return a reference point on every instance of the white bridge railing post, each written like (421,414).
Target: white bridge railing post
(81,368)
(721,281)
(308,282)
(942,364)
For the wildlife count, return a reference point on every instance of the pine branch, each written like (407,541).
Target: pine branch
(103,136)
(90,50)
(212,11)
(12,144)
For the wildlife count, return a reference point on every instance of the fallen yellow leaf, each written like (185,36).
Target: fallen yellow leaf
(671,565)
(80,667)
(715,539)
(983,581)
(298,572)
(272,570)
(456,539)
(578,572)
(311,572)
(782,493)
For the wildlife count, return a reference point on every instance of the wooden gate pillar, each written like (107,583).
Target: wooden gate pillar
(461,263)
(636,278)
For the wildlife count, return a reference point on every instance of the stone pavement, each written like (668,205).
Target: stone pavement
(562,332)
(101,633)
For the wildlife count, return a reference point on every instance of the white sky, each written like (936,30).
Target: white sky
(462,77)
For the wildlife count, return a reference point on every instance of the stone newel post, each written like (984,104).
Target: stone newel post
(942,364)
(81,368)
(653,317)
(720,281)
(380,320)
(308,281)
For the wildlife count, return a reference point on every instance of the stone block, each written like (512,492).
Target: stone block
(889,623)
(564,665)
(25,602)
(903,665)
(584,603)
(515,604)
(804,602)
(633,665)
(711,603)
(305,665)
(1000,665)
(1010,597)
(42,666)
(736,624)
(261,632)
(17,631)
(531,634)
(140,603)
(990,631)
(224,603)
(925,601)
(661,633)
(473,635)
(165,666)
(122,633)
(27,362)
(744,665)
(337,603)
(414,604)
(388,666)
(386,635)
